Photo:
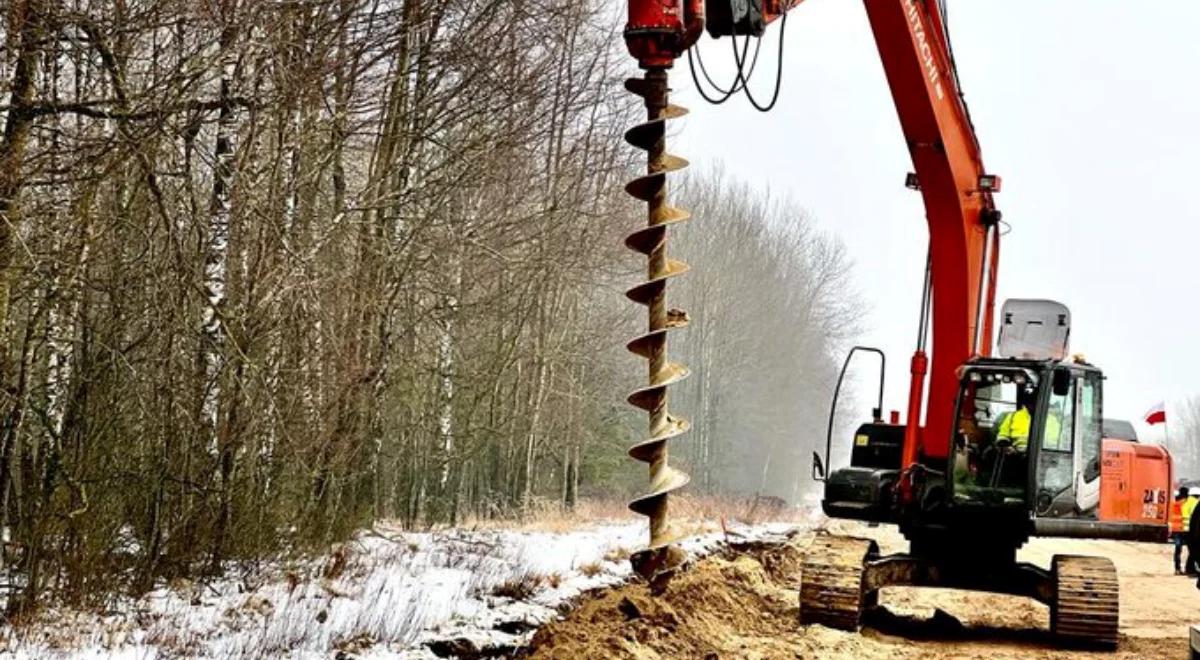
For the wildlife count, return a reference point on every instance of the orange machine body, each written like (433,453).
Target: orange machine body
(1135,484)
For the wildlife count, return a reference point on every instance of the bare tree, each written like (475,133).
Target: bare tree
(1184,440)
(770,309)
(269,271)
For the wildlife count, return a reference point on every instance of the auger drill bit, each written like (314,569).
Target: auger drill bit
(661,557)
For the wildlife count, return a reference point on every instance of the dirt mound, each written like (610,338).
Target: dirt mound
(742,604)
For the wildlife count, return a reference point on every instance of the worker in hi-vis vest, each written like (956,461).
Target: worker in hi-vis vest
(1191,532)
(1178,527)
(1015,426)
(1012,441)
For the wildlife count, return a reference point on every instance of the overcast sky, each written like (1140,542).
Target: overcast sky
(1088,109)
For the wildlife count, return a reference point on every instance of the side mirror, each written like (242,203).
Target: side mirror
(1061,383)
(818,468)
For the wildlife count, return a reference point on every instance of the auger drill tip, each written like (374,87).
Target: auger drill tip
(658,565)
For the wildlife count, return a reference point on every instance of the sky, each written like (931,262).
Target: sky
(1088,109)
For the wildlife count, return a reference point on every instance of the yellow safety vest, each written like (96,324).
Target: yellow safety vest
(1189,505)
(1015,427)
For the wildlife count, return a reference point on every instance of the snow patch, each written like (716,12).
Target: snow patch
(387,593)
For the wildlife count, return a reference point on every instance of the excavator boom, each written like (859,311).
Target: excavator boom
(914,48)
(949,172)
(957,191)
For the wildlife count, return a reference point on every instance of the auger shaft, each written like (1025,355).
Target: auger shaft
(660,557)
(656,102)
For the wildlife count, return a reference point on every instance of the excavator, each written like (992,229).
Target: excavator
(1011,443)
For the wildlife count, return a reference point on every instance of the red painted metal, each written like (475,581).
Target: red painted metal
(911,39)
(916,390)
(659,31)
(946,155)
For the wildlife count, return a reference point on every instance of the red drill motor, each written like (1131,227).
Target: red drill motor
(659,31)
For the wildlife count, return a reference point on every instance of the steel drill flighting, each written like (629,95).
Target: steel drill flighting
(660,556)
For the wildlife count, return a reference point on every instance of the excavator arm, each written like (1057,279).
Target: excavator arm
(948,171)
(957,192)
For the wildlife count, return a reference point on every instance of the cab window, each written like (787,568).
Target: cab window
(1090,421)
(1058,431)
(994,431)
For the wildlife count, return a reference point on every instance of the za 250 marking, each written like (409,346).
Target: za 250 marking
(1152,501)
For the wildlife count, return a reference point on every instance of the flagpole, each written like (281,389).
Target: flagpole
(1165,427)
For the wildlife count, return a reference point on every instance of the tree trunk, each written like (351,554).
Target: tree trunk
(28,18)
(216,257)
(216,274)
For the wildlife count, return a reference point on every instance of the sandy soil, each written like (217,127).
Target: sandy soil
(744,605)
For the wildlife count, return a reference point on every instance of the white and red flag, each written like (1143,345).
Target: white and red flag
(1157,414)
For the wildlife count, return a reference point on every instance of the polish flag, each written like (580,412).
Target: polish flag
(1157,414)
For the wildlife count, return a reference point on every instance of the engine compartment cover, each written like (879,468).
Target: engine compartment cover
(1034,330)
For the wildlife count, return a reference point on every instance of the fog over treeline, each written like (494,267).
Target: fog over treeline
(1183,438)
(772,307)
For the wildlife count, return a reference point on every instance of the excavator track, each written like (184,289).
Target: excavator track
(831,581)
(1086,606)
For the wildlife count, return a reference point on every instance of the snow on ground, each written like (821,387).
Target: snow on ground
(388,593)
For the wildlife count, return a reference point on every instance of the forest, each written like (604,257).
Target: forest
(273,271)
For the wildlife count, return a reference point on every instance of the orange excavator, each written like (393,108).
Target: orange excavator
(1013,441)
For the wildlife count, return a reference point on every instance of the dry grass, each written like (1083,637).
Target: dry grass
(339,557)
(591,569)
(746,509)
(702,512)
(550,516)
(617,555)
(522,587)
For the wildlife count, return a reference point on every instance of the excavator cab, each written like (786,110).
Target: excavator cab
(996,412)
(1066,473)
(1028,428)
(1028,438)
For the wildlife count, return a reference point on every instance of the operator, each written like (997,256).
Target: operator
(1015,427)
(1179,527)
(1014,430)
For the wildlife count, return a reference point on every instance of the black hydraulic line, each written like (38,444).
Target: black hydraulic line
(722,94)
(962,96)
(778,72)
(926,304)
(984,286)
(739,79)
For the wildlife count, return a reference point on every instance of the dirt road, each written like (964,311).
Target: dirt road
(744,605)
